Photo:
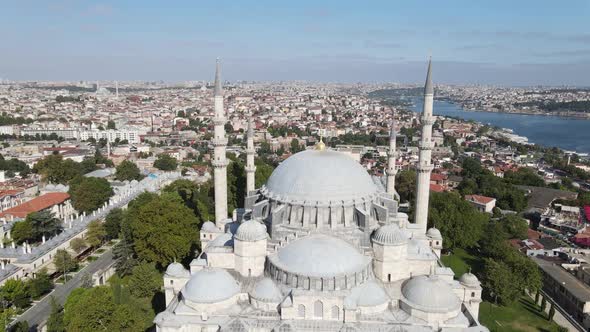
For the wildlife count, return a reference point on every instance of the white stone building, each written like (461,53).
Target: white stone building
(320,247)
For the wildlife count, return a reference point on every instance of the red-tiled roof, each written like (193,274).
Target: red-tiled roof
(437,177)
(437,188)
(36,204)
(10,192)
(479,199)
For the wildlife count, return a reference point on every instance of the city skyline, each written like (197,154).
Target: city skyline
(524,43)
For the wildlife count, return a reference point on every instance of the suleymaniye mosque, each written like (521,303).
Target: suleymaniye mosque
(320,247)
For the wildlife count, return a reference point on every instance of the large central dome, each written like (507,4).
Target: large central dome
(320,176)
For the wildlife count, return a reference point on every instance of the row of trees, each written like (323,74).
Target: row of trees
(55,169)
(13,166)
(19,293)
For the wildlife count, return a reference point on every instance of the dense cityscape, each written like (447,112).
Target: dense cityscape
(297,166)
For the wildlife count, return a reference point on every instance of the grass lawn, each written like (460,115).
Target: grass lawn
(522,315)
(460,261)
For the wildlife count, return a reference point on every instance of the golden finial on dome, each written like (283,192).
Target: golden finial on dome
(320,146)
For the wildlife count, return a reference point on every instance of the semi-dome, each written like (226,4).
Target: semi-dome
(389,235)
(176,270)
(267,290)
(251,230)
(469,279)
(366,295)
(210,227)
(434,233)
(320,256)
(320,176)
(210,285)
(430,294)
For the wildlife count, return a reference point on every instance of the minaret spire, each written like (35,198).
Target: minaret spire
(219,160)
(250,153)
(392,156)
(424,167)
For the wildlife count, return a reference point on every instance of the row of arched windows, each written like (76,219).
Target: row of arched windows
(318,311)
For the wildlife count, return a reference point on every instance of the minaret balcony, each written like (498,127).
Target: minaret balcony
(425,168)
(219,163)
(250,151)
(427,120)
(250,169)
(219,141)
(219,121)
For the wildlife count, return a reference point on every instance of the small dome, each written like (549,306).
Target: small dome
(320,256)
(267,290)
(251,230)
(434,233)
(389,235)
(430,294)
(366,295)
(177,270)
(210,227)
(469,279)
(220,242)
(210,285)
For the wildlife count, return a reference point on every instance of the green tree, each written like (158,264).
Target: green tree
(145,281)
(55,169)
(21,231)
(89,193)
(55,322)
(524,176)
(43,223)
(15,291)
(111,125)
(163,230)
(78,244)
(95,233)
(127,170)
(112,223)
(295,146)
(263,172)
(499,282)
(64,262)
(405,184)
(95,309)
(125,258)
(41,284)
(165,163)
(515,226)
(461,225)
(495,242)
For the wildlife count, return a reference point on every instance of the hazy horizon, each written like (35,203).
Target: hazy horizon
(522,43)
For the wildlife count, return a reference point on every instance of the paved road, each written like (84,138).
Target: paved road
(40,312)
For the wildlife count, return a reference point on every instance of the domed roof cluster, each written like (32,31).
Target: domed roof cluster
(389,235)
(210,285)
(321,256)
(366,295)
(251,230)
(469,279)
(430,294)
(434,233)
(320,176)
(266,290)
(176,270)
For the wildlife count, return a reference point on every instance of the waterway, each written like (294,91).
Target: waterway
(565,133)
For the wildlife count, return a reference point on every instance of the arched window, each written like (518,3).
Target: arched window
(301,311)
(249,272)
(472,294)
(335,312)
(171,282)
(318,309)
(389,277)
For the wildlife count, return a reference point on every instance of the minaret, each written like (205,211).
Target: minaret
(219,161)
(424,165)
(250,152)
(391,169)
(116,89)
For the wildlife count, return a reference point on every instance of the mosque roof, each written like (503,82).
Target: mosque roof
(434,233)
(430,293)
(210,285)
(177,270)
(469,279)
(389,235)
(251,230)
(320,176)
(366,295)
(320,256)
(267,290)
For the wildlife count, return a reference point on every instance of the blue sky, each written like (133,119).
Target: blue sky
(518,42)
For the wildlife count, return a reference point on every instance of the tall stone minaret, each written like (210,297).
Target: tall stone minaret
(250,152)
(219,161)
(424,164)
(392,154)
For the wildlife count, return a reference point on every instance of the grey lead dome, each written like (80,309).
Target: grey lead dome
(210,285)
(251,230)
(431,294)
(321,256)
(389,235)
(320,176)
